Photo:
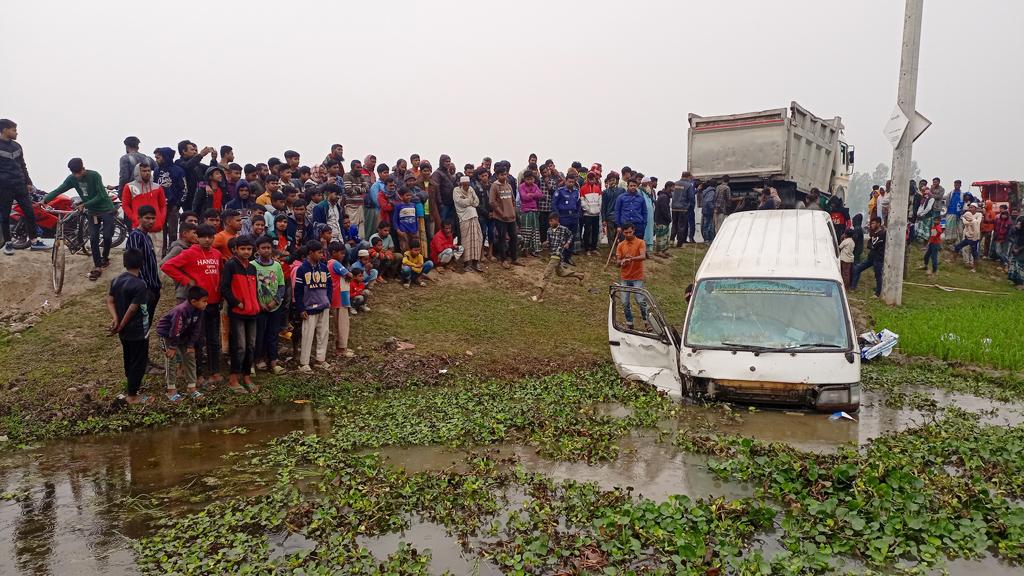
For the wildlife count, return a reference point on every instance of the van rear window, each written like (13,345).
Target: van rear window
(768,313)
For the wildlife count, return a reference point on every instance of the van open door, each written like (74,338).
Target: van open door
(649,350)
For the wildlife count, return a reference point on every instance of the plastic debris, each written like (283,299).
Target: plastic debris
(880,344)
(842,416)
(300,401)
(442,371)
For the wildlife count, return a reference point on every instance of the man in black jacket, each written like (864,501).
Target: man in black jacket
(195,171)
(14,186)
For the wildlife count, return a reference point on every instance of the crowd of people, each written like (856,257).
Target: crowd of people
(280,251)
(265,253)
(974,229)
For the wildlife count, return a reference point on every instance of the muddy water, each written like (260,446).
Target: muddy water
(71,518)
(71,515)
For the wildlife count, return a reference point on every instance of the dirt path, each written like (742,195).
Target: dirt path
(27,283)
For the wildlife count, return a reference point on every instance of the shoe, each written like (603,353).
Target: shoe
(277,369)
(366,309)
(352,311)
(9,249)
(261,365)
(406,285)
(324,365)
(38,246)
(348,353)
(422,283)
(305,369)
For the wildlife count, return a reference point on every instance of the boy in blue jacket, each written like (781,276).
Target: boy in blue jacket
(181,329)
(313,290)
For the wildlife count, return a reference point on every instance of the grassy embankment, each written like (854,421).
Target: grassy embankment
(962,326)
(60,377)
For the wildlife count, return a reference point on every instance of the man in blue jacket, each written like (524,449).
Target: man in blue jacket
(630,208)
(170,177)
(683,206)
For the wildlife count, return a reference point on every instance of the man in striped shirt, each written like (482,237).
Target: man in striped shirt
(139,239)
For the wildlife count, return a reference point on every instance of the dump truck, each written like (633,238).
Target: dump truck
(789,149)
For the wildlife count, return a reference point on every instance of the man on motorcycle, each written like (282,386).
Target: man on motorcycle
(99,207)
(14,186)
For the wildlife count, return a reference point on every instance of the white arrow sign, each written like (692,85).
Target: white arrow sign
(918,124)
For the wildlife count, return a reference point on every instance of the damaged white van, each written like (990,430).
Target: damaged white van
(767,323)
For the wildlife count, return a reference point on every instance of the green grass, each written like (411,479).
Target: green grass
(983,329)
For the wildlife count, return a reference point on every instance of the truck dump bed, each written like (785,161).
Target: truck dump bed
(784,144)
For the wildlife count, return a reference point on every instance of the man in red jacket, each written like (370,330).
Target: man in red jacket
(200,265)
(142,191)
(238,288)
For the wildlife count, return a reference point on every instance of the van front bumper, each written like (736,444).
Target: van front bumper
(821,397)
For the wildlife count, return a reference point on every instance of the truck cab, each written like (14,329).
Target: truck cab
(768,321)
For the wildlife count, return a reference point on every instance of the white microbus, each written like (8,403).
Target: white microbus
(768,321)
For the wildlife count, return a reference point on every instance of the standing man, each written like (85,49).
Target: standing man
(140,240)
(171,178)
(630,208)
(876,254)
(132,158)
(355,197)
(97,205)
(14,186)
(336,154)
(723,198)
(566,202)
(227,156)
(683,204)
(143,192)
(502,205)
(191,161)
(954,208)
(609,198)
(630,254)
(443,185)
(707,211)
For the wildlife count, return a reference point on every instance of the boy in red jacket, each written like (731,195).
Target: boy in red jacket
(200,265)
(238,288)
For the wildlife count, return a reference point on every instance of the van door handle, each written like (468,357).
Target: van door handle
(613,342)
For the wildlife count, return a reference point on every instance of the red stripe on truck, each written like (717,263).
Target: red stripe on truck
(740,124)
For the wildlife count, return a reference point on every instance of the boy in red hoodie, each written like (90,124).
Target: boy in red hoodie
(238,288)
(200,265)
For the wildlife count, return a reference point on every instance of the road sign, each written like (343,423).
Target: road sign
(896,126)
(918,125)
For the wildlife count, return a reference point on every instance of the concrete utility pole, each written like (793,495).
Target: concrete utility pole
(896,233)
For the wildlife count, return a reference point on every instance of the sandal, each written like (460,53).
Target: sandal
(238,389)
(94,274)
(194,394)
(174,396)
(140,399)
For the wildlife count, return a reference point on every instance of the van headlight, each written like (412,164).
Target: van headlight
(834,396)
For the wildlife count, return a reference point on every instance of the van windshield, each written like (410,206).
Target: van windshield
(768,314)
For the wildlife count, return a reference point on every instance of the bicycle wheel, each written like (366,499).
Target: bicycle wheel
(57,257)
(19,235)
(120,232)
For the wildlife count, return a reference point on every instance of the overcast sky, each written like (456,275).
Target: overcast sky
(595,81)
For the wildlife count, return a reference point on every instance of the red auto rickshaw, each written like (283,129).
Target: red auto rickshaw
(1001,193)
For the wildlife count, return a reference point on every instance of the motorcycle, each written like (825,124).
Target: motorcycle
(46,222)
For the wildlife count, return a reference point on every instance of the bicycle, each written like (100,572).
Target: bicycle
(63,243)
